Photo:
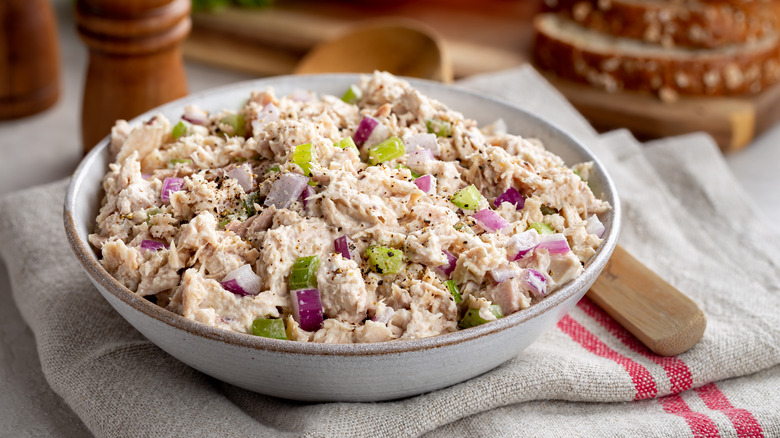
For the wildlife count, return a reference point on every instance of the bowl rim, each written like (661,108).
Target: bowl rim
(84,253)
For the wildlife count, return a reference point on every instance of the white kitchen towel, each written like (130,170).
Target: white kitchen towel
(685,217)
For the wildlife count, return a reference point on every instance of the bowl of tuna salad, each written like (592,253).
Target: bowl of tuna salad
(341,237)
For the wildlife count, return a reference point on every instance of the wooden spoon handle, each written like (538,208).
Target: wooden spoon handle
(659,315)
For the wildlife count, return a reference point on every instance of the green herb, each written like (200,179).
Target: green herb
(467,198)
(269,328)
(272,169)
(249,203)
(303,274)
(384,260)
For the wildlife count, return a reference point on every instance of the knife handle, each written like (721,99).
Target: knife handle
(658,314)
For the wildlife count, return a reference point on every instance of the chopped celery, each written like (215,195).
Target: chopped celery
(304,155)
(384,260)
(453,288)
(272,169)
(391,148)
(346,142)
(151,212)
(249,203)
(576,173)
(352,95)
(175,161)
(236,122)
(180,129)
(467,198)
(542,228)
(547,210)
(442,128)
(303,274)
(464,228)
(415,175)
(472,318)
(269,328)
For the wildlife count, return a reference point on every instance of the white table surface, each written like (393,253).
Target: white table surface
(47,147)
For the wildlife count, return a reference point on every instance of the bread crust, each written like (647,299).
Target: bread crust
(708,73)
(683,23)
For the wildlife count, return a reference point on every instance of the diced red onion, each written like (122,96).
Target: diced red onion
(503,273)
(423,183)
(306,193)
(594,226)
(242,281)
(152,245)
(521,243)
(535,281)
(419,157)
(451,262)
(146,176)
(364,130)
(380,134)
(424,141)
(269,114)
(286,190)
(383,316)
(347,248)
(301,95)
(554,243)
(512,196)
(170,185)
(243,174)
(195,115)
(307,308)
(490,220)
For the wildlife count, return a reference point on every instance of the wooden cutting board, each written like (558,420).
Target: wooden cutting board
(479,38)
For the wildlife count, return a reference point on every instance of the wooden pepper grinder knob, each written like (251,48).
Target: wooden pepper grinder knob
(135,59)
(29,58)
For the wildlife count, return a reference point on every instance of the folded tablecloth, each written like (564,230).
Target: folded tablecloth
(685,217)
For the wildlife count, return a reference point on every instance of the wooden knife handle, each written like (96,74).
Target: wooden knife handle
(659,315)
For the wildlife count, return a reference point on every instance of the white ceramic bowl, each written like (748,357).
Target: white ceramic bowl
(355,372)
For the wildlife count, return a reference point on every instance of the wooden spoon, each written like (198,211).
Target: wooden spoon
(659,315)
(399,46)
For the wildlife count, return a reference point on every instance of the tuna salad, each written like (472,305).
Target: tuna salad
(373,216)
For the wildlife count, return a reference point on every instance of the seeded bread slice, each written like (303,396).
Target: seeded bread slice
(576,53)
(686,23)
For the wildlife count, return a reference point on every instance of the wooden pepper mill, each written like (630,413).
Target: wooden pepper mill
(29,58)
(135,59)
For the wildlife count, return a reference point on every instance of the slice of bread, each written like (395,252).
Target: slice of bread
(577,53)
(686,23)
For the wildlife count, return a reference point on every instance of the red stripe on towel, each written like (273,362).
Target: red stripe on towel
(744,422)
(701,425)
(678,372)
(643,380)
